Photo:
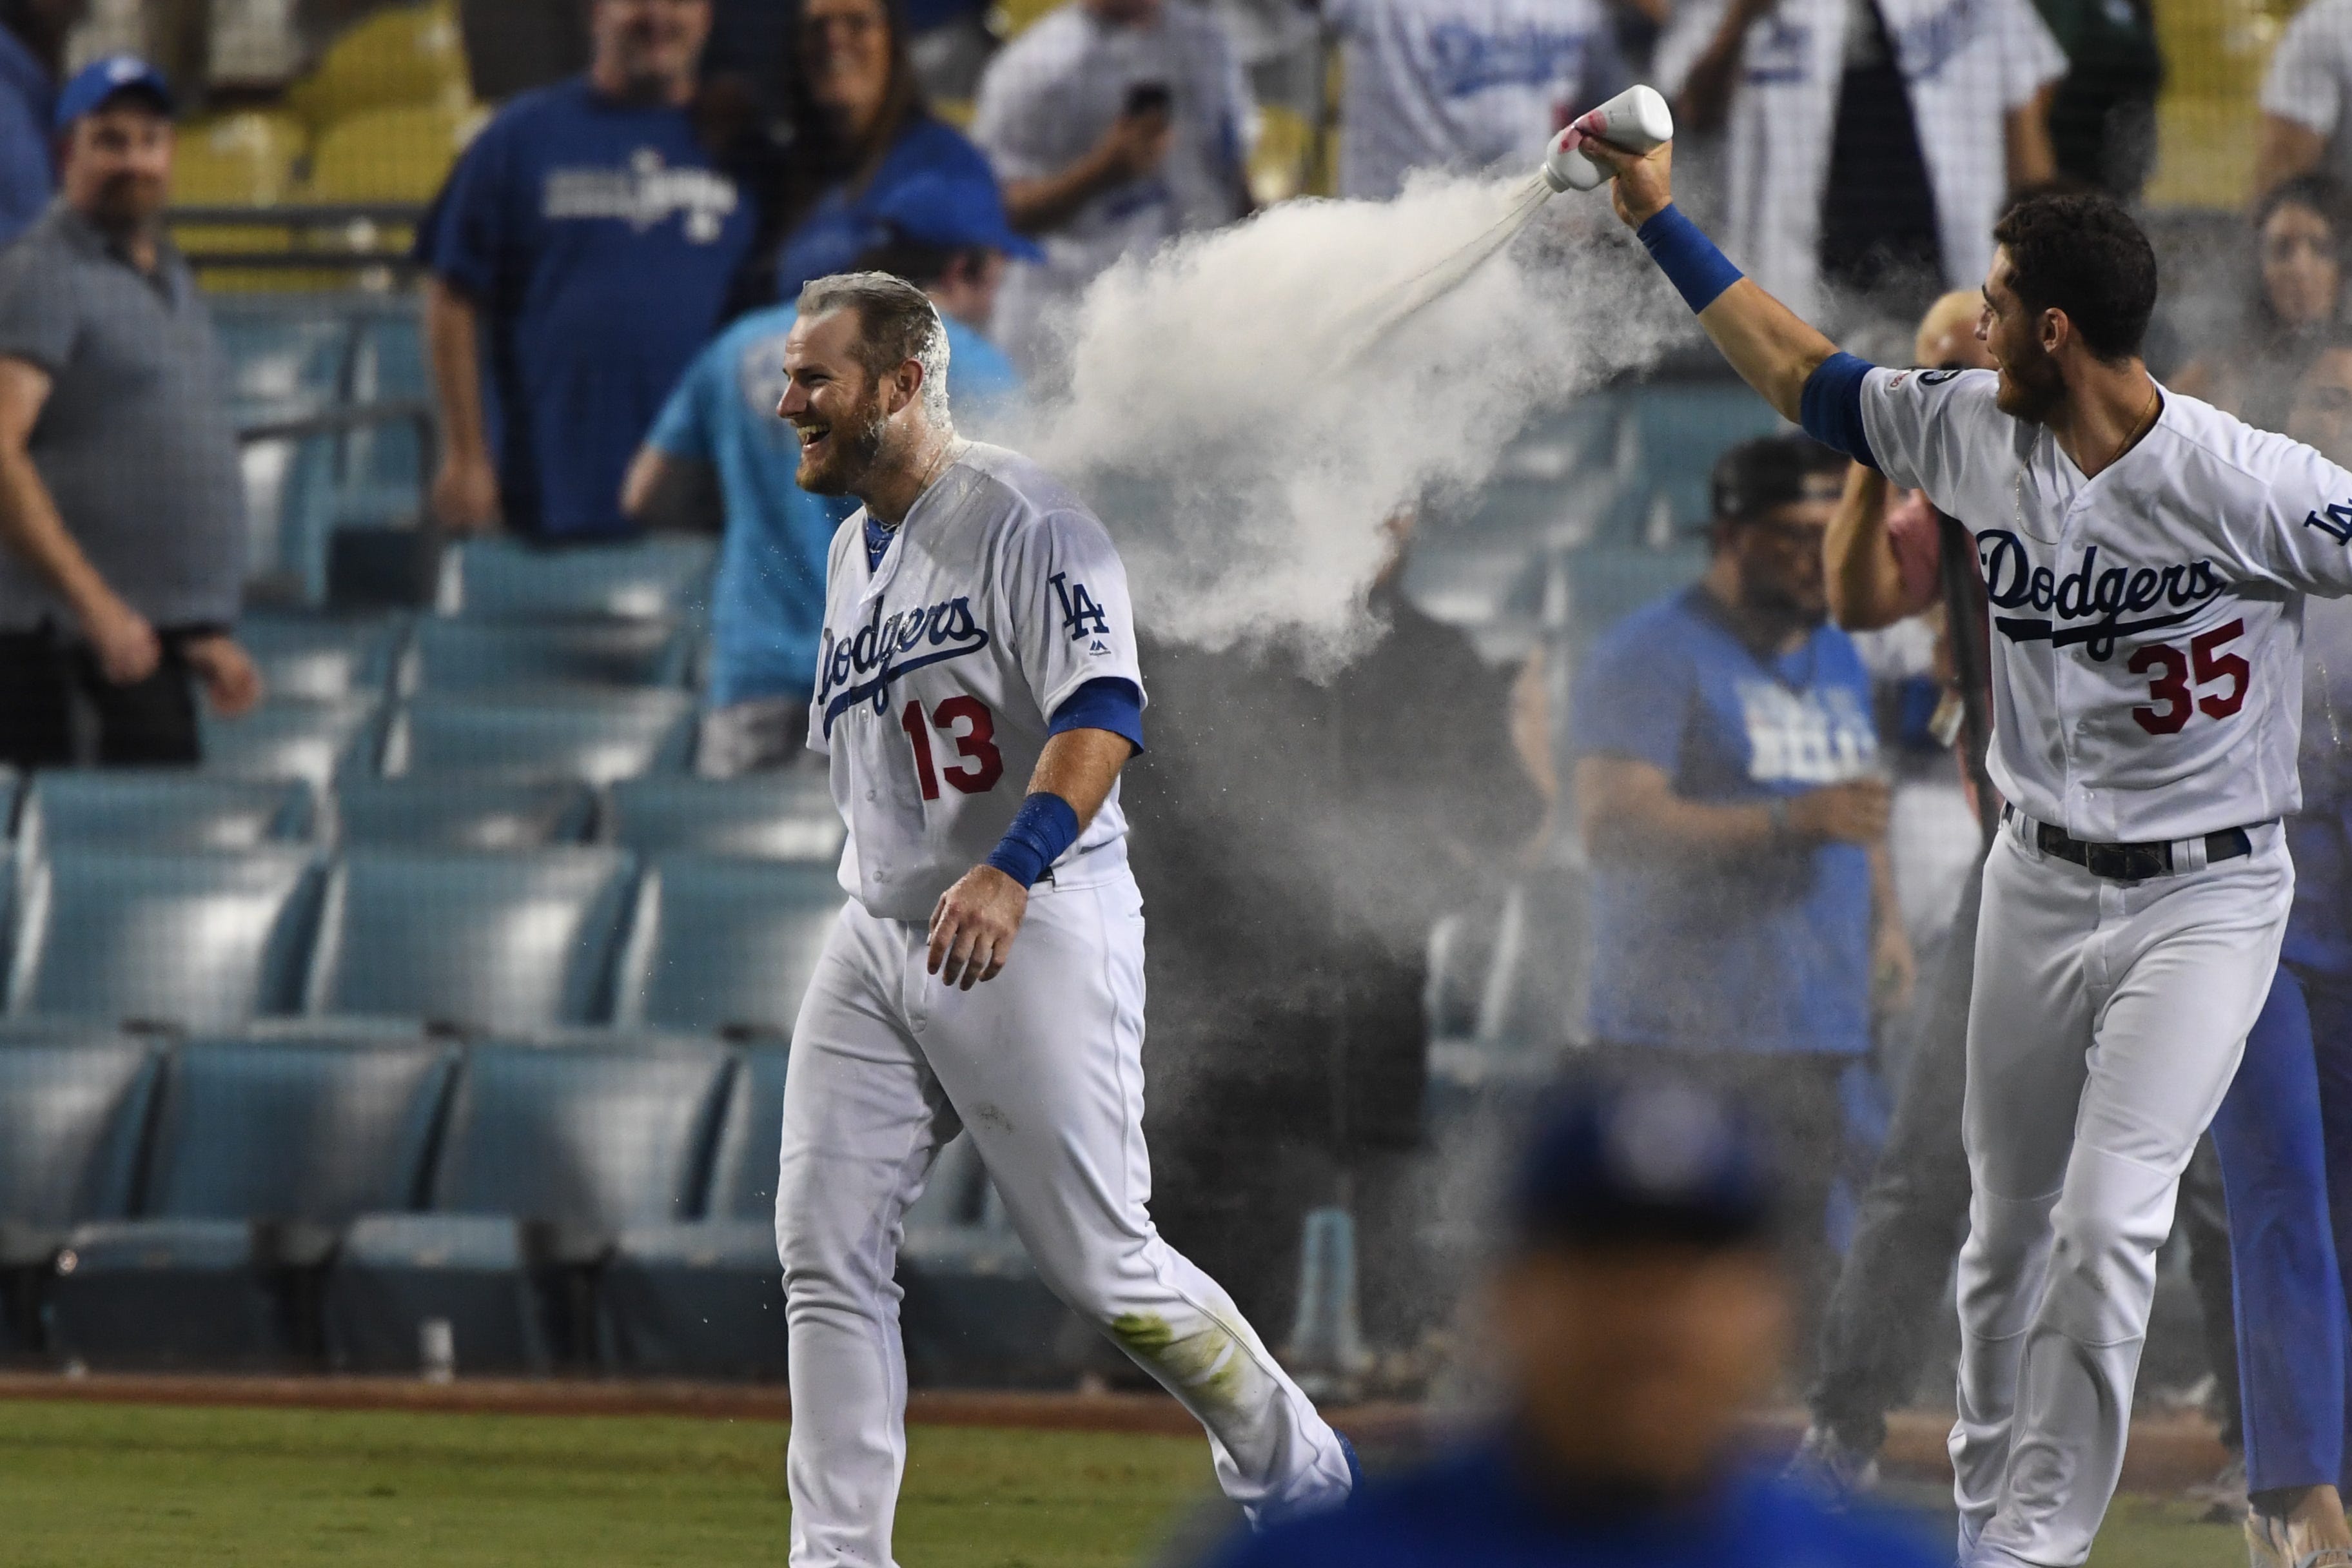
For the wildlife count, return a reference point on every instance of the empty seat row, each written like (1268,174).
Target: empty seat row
(322,656)
(787,816)
(479,943)
(599,736)
(266,1202)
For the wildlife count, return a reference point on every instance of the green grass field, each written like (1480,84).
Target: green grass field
(102,1486)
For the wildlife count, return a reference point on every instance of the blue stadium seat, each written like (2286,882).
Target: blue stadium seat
(456,811)
(258,1152)
(775,816)
(724,946)
(162,808)
(507,579)
(324,657)
(71,1116)
(547,1155)
(976,1312)
(502,943)
(1679,428)
(189,940)
(283,360)
(597,736)
(296,739)
(474,656)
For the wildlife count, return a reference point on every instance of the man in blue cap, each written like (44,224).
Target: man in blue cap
(951,240)
(123,526)
(32,58)
(1639,1311)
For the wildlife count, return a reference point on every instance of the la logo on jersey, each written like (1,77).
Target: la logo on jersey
(2100,596)
(862,665)
(1082,618)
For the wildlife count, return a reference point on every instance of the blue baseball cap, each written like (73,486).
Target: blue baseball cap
(100,79)
(953,215)
(1622,1162)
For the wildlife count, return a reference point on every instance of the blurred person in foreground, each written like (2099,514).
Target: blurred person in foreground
(2301,229)
(1639,1310)
(580,256)
(1727,782)
(122,504)
(33,35)
(1871,143)
(861,134)
(2102,115)
(1113,125)
(767,612)
(2306,99)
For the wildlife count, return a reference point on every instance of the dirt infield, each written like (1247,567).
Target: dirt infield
(2166,1453)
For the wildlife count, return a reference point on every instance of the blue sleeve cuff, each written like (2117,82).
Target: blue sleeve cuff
(1688,259)
(1832,407)
(1043,826)
(1109,702)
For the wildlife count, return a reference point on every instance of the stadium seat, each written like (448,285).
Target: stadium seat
(773,816)
(514,942)
(457,812)
(159,808)
(509,580)
(282,361)
(293,738)
(599,736)
(1678,429)
(473,655)
(323,658)
(975,1313)
(401,56)
(547,1155)
(398,154)
(258,1152)
(188,939)
(724,946)
(71,1116)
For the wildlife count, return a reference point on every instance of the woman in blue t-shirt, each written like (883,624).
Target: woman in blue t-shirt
(859,130)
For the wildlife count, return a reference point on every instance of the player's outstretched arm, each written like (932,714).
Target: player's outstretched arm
(1772,348)
(974,922)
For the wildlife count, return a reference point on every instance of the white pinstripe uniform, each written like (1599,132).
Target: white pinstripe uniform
(1968,62)
(2310,78)
(2148,676)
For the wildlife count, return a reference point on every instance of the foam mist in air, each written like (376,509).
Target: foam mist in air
(1247,408)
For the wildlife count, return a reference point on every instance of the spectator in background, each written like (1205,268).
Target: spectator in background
(2103,118)
(2300,230)
(1464,84)
(1113,125)
(580,256)
(1638,1310)
(2307,100)
(861,133)
(32,57)
(121,506)
(1871,143)
(950,239)
(1727,780)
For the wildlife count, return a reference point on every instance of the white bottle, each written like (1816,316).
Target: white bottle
(1636,119)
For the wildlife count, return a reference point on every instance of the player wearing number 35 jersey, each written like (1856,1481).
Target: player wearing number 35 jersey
(977,695)
(2146,558)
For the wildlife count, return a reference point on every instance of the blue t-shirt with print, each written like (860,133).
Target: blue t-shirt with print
(841,226)
(597,242)
(767,609)
(27,106)
(1767,950)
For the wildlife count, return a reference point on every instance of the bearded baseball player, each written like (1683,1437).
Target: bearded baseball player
(2146,557)
(988,971)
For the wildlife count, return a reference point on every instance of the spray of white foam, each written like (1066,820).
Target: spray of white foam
(1247,407)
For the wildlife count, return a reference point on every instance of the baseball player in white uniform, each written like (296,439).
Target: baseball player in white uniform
(2146,557)
(988,971)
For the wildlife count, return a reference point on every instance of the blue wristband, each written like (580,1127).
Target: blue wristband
(1043,826)
(1688,259)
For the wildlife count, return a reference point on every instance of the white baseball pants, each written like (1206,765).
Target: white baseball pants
(1044,1066)
(2105,1025)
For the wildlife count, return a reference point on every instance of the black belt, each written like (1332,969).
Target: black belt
(2130,862)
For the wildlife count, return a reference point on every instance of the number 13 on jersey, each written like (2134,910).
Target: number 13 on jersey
(967,722)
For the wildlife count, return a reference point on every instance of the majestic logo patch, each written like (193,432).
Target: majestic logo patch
(2098,596)
(862,665)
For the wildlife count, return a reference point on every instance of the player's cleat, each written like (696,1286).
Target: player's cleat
(1829,1469)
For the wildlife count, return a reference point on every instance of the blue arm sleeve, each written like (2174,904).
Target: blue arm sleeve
(1110,702)
(1832,408)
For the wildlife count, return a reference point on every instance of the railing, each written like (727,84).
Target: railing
(334,236)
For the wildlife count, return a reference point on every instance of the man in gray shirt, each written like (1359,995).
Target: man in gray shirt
(122,535)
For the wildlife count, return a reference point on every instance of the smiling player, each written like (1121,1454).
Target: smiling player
(988,972)
(2146,557)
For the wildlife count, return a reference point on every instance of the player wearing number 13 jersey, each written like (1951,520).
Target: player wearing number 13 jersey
(977,694)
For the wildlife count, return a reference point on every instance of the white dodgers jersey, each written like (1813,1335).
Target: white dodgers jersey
(999,596)
(2147,622)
